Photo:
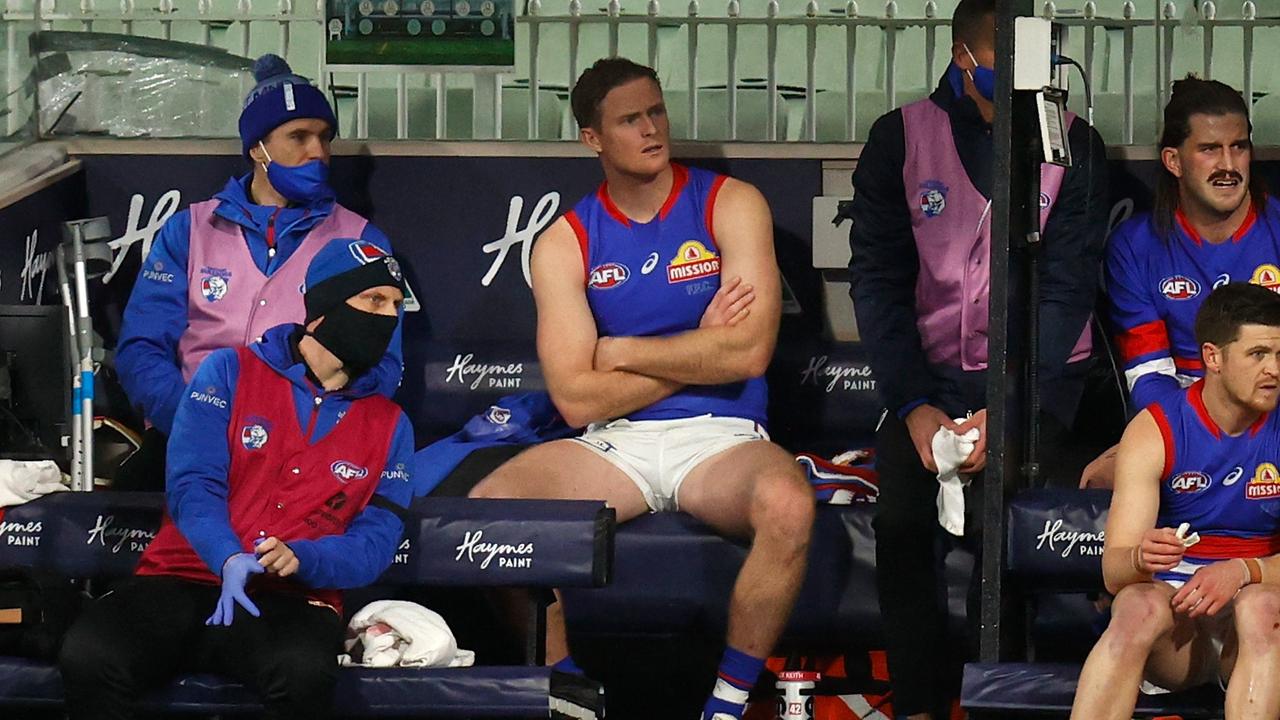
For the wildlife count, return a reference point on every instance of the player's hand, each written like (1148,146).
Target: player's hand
(1159,550)
(730,306)
(1209,589)
(275,557)
(922,423)
(1101,472)
(977,459)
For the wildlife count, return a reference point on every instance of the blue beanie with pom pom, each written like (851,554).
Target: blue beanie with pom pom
(280,96)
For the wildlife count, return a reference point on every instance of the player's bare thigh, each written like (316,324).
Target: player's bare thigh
(564,470)
(721,490)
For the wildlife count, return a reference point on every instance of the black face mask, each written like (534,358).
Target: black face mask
(358,338)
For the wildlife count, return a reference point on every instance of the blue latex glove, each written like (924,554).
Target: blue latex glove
(235,574)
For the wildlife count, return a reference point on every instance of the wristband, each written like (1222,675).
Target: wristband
(1135,559)
(1254,568)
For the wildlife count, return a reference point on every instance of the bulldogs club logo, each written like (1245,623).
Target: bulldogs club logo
(498,415)
(1179,287)
(609,275)
(933,198)
(345,471)
(253,437)
(213,287)
(692,261)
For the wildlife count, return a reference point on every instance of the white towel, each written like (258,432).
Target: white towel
(23,480)
(949,451)
(396,633)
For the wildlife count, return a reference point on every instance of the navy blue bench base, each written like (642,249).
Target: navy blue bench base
(1020,688)
(488,692)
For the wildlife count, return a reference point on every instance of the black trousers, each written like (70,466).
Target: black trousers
(151,628)
(924,665)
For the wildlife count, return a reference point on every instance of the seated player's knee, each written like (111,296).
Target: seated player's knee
(299,677)
(1257,617)
(84,659)
(783,507)
(1140,615)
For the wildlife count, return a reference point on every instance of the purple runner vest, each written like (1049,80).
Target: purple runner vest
(230,303)
(951,221)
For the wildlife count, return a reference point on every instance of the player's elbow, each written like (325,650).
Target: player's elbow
(575,413)
(756,359)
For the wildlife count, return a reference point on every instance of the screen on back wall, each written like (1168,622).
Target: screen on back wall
(420,32)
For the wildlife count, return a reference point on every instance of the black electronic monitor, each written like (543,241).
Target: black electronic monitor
(35,405)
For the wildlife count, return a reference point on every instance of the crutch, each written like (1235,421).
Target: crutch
(76,451)
(79,233)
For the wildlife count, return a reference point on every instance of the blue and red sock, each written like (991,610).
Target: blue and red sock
(735,678)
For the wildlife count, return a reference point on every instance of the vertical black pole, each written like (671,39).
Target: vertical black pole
(1009,226)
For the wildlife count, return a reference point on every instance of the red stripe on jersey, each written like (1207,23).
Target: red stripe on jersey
(1195,396)
(584,242)
(1221,547)
(1188,363)
(679,178)
(712,194)
(1166,434)
(1143,339)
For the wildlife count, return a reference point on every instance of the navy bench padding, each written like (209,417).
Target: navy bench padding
(1055,539)
(449,542)
(540,543)
(502,692)
(673,575)
(1051,687)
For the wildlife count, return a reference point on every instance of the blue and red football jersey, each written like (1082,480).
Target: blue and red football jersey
(657,278)
(1227,488)
(1156,286)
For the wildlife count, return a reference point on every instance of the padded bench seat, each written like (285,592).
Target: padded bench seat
(489,692)
(1050,687)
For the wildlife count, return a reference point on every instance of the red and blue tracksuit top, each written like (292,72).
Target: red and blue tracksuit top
(258,451)
(165,311)
(1227,488)
(657,278)
(1156,285)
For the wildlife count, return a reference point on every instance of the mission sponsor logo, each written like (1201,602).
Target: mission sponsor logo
(1179,287)
(692,261)
(1268,276)
(1265,483)
(609,275)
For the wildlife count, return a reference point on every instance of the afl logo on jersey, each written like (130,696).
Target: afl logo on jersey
(345,471)
(1190,482)
(1179,287)
(1268,276)
(692,261)
(1265,484)
(609,275)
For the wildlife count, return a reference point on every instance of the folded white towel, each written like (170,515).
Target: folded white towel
(24,480)
(949,451)
(396,633)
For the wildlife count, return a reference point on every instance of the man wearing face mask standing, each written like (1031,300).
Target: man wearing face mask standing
(920,244)
(223,271)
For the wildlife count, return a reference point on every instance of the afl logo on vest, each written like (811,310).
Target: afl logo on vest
(345,471)
(1190,482)
(253,437)
(213,287)
(933,198)
(1265,484)
(692,261)
(1179,287)
(609,275)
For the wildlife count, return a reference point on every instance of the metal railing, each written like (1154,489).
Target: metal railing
(1148,41)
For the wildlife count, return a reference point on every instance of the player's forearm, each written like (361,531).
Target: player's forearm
(1119,569)
(705,356)
(594,396)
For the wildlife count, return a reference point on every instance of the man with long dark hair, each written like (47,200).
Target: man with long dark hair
(1212,223)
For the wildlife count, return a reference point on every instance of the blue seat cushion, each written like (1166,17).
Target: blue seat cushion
(1018,688)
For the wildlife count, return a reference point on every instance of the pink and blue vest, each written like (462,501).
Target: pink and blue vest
(230,302)
(951,221)
(280,484)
